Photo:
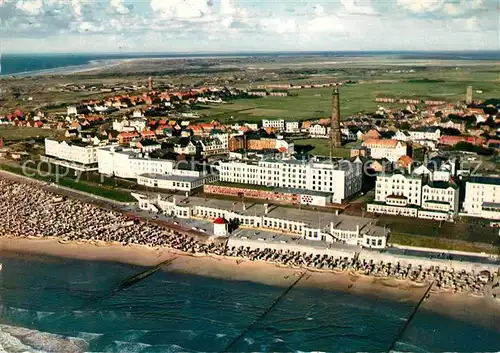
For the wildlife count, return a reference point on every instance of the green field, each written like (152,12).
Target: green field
(320,147)
(80,185)
(441,243)
(15,133)
(313,103)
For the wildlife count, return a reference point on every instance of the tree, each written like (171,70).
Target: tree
(450,131)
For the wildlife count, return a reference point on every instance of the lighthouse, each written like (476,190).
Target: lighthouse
(220,227)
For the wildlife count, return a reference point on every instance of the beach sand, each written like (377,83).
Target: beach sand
(484,311)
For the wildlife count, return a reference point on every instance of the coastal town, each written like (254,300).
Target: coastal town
(301,193)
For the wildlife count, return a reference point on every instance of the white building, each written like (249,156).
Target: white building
(342,179)
(319,131)
(81,156)
(278,124)
(390,149)
(397,185)
(129,163)
(292,127)
(72,110)
(137,124)
(401,136)
(431,133)
(211,147)
(179,180)
(439,200)
(252,126)
(310,225)
(188,148)
(408,195)
(482,197)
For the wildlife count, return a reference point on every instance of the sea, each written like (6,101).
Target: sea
(50,304)
(23,64)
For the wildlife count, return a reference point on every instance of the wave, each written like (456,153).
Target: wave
(15,339)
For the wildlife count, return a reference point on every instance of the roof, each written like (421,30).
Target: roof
(491,180)
(373,134)
(182,178)
(405,161)
(442,185)
(219,220)
(381,143)
(128,134)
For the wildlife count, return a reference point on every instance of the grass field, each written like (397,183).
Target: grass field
(313,103)
(441,243)
(320,147)
(15,133)
(80,185)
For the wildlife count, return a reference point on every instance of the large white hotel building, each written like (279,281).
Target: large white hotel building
(415,196)
(482,197)
(73,154)
(342,178)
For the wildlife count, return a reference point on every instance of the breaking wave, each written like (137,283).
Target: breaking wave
(14,339)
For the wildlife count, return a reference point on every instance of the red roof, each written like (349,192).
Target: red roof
(220,221)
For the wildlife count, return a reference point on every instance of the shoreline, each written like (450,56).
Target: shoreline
(465,307)
(387,59)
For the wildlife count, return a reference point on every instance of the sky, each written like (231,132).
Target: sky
(110,26)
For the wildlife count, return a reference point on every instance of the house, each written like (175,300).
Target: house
(210,147)
(431,133)
(278,125)
(390,149)
(236,143)
(279,93)
(185,146)
(148,134)
(292,127)
(196,129)
(257,92)
(372,134)
(319,131)
(401,135)
(453,140)
(124,138)
(148,145)
(404,162)
(349,134)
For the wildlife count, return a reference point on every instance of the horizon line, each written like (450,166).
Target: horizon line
(249,52)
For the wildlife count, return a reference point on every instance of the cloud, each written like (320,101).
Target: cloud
(233,25)
(354,7)
(119,7)
(184,9)
(31,7)
(279,25)
(419,6)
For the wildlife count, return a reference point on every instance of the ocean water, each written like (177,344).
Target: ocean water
(51,63)
(62,305)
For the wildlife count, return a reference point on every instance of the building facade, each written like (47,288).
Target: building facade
(413,196)
(342,179)
(390,149)
(278,124)
(129,163)
(292,127)
(309,225)
(482,197)
(77,153)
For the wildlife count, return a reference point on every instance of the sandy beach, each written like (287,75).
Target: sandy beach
(484,311)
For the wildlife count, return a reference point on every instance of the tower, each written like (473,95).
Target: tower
(468,95)
(335,138)
(220,227)
(150,83)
